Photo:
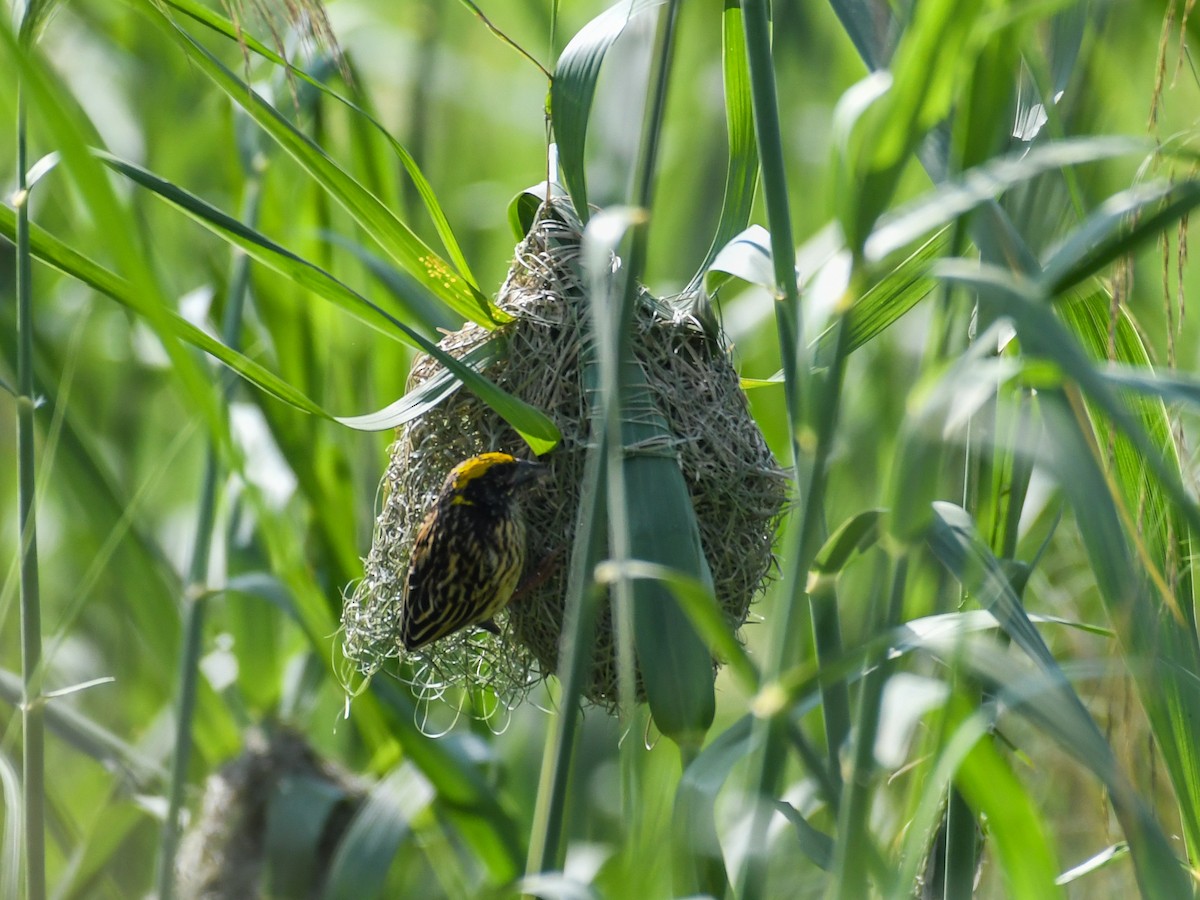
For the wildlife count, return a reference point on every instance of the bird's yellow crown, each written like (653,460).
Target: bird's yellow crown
(470,469)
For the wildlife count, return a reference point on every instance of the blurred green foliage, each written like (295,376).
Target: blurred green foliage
(1076,507)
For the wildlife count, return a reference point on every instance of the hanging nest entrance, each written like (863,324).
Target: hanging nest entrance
(736,487)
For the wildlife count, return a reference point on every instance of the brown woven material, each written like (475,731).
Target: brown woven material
(736,487)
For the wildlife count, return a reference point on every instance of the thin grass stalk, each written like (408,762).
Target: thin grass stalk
(764,99)
(962,846)
(188,678)
(854,850)
(768,774)
(647,162)
(194,590)
(547,841)
(547,847)
(33,737)
(1009,471)
(642,191)
(835,704)
(767,771)
(614,395)
(547,844)
(622,396)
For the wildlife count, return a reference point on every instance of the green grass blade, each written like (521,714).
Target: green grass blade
(574,87)
(12,841)
(695,832)
(977,186)
(813,843)
(1060,716)
(53,252)
(49,250)
(851,538)
(429,394)
(396,238)
(415,304)
(866,24)
(885,301)
(1098,861)
(465,795)
(298,813)
(650,508)
(365,852)
(956,543)
(548,841)
(1117,228)
(1022,849)
(1163,542)
(73,134)
(534,426)
(925,80)
(228,29)
(91,739)
(697,600)
(741,174)
(1043,335)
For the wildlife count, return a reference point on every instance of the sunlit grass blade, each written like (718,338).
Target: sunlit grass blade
(396,238)
(1105,857)
(574,87)
(12,841)
(369,844)
(1118,227)
(531,424)
(1161,612)
(886,301)
(1043,335)
(429,393)
(228,29)
(416,305)
(741,174)
(649,507)
(467,799)
(48,249)
(952,199)
(923,87)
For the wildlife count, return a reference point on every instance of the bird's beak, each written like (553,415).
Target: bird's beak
(528,470)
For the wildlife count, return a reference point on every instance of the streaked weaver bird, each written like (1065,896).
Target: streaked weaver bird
(470,550)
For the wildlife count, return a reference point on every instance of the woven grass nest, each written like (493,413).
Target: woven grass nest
(736,487)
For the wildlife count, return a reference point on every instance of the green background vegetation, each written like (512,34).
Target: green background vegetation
(196,532)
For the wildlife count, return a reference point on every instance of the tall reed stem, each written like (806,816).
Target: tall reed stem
(548,842)
(824,399)
(193,598)
(33,743)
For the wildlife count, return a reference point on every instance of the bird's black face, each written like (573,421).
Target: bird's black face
(490,479)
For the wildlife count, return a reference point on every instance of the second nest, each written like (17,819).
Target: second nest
(736,487)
